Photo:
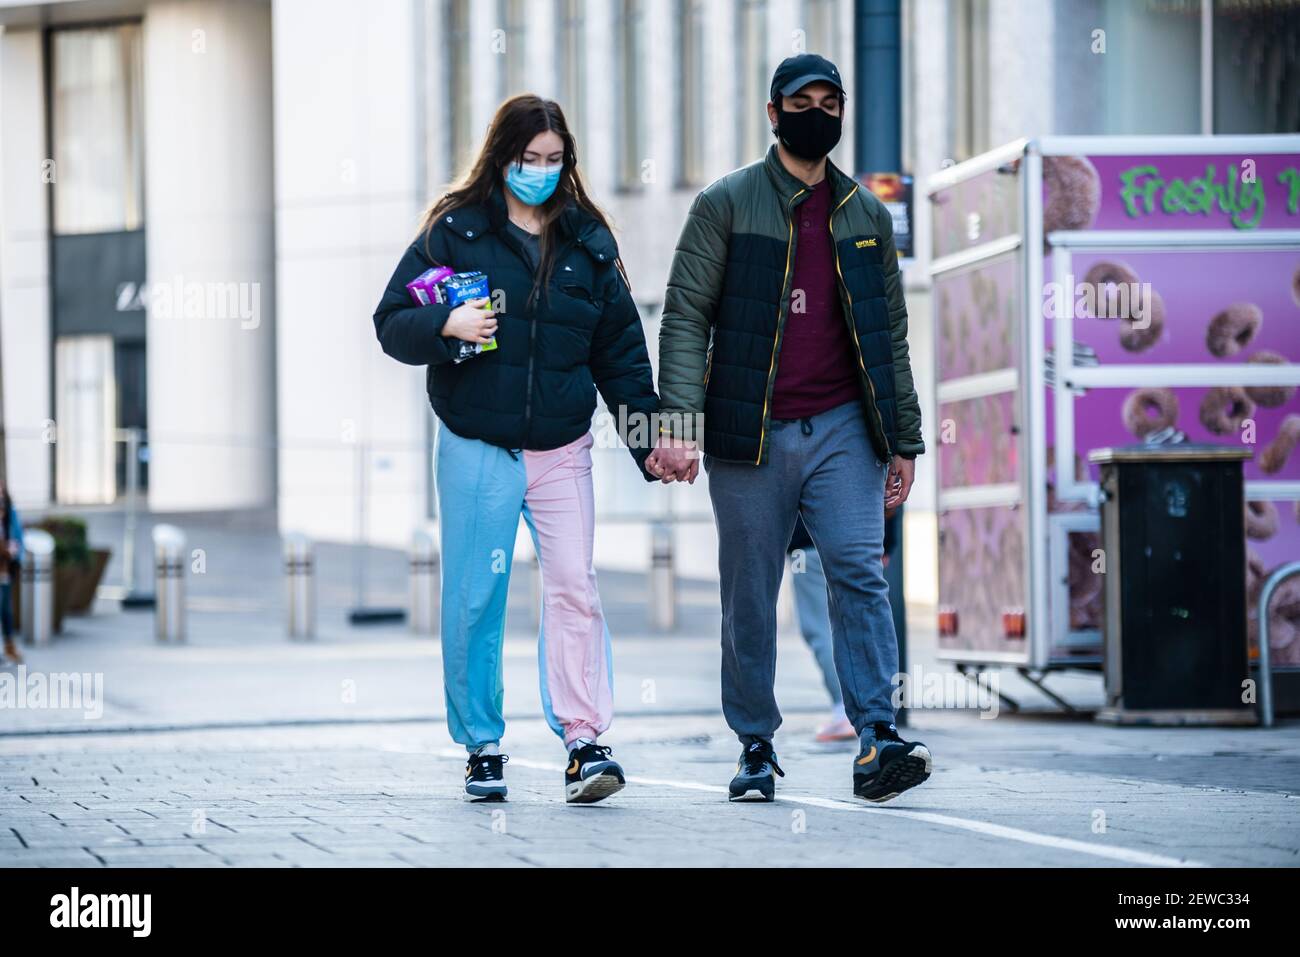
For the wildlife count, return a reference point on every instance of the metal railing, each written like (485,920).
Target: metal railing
(1279,575)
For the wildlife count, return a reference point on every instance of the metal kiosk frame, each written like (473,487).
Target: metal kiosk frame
(1047,642)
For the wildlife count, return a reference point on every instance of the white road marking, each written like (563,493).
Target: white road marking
(1123,854)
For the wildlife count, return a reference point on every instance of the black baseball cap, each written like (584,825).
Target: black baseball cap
(796,72)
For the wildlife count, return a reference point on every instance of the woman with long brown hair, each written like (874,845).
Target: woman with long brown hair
(515,435)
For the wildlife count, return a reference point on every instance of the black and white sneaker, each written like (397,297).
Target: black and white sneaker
(755,780)
(886,765)
(591,776)
(483,778)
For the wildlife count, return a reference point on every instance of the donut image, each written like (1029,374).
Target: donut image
(1233,329)
(1274,457)
(1150,410)
(1138,335)
(1261,520)
(1088,615)
(1073,194)
(1224,409)
(1270,396)
(1256,573)
(1105,278)
(1084,582)
(1283,615)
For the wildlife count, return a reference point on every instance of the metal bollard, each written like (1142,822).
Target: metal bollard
(169,583)
(300,579)
(38,587)
(424,582)
(663,578)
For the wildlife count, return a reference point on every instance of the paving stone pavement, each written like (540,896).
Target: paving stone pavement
(241,748)
(389,795)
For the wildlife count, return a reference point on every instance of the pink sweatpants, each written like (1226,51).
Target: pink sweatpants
(574,646)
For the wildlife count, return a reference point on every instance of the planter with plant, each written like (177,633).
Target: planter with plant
(77,567)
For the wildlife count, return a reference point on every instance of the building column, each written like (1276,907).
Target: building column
(24,266)
(351,182)
(210,248)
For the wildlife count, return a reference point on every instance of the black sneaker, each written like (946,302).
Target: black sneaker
(754,780)
(887,765)
(483,778)
(591,776)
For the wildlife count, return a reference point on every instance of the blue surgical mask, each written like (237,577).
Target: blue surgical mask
(533,185)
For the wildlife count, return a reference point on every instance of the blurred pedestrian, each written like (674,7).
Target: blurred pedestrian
(812,608)
(515,428)
(784,326)
(11,559)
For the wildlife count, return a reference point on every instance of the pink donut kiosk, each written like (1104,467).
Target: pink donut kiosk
(1095,293)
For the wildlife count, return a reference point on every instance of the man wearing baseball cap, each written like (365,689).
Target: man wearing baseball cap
(785,332)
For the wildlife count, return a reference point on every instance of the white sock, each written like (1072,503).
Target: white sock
(581,743)
(492,748)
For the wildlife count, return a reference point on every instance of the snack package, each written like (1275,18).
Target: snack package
(448,287)
(423,288)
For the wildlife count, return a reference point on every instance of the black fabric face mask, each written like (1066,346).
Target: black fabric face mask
(809,134)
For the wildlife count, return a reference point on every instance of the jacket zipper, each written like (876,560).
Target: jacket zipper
(848,315)
(780,322)
(532,348)
(533,299)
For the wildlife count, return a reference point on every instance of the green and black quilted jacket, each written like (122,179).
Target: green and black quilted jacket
(729,294)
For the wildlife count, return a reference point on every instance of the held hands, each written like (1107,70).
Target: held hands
(898,483)
(472,321)
(674,460)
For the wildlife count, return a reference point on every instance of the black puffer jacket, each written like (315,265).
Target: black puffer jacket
(582,333)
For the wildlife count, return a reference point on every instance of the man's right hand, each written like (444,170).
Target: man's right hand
(473,321)
(673,460)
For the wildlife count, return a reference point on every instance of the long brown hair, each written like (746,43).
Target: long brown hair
(517,121)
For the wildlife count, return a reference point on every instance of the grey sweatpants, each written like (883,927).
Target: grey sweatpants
(825,469)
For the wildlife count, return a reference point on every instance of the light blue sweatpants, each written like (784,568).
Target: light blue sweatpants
(812,605)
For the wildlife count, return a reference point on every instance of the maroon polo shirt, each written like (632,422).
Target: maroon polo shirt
(818,366)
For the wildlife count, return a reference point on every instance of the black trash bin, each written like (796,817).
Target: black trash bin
(1174,630)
